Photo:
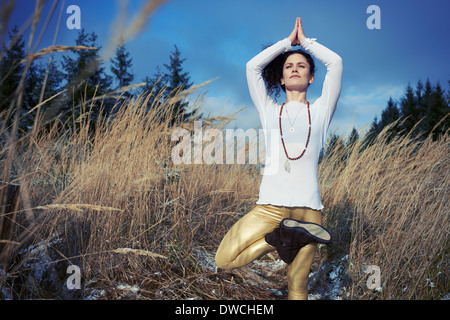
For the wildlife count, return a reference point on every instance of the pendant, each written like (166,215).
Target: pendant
(287,166)
(292,129)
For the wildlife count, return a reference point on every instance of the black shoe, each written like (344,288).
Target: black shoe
(308,231)
(292,235)
(283,241)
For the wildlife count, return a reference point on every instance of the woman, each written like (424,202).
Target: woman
(287,216)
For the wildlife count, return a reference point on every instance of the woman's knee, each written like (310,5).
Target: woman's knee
(221,262)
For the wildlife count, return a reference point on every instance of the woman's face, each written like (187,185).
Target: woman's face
(296,73)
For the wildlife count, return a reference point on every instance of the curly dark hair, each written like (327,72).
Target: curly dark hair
(273,72)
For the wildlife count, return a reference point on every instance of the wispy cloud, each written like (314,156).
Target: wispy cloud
(359,104)
(361,95)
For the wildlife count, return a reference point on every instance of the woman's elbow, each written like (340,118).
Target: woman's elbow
(337,61)
(250,67)
(336,64)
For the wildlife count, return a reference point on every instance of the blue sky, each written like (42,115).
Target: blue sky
(217,38)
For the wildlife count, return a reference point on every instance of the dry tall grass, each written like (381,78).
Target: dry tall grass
(119,189)
(388,206)
(116,205)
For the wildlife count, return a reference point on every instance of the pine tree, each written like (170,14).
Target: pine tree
(177,80)
(423,109)
(390,115)
(373,132)
(166,85)
(156,85)
(121,65)
(33,91)
(335,145)
(421,101)
(438,107)
(409,111)
(54,79)
(84,74)
(11,69)
(353,138)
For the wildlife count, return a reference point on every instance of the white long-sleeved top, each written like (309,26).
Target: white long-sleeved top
(299,186)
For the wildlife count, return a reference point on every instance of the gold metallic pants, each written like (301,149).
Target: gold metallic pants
(245,242)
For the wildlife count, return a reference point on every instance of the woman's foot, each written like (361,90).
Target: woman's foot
(293,235)
(309,229)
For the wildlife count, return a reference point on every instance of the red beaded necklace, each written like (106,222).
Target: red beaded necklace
(307,141)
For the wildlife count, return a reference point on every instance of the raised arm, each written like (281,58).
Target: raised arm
(332,83)
(333,80)
(255,67)
(255,81)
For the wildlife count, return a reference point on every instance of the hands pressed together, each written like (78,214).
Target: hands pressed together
(297,35)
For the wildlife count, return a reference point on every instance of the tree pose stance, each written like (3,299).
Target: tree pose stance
(287,216)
